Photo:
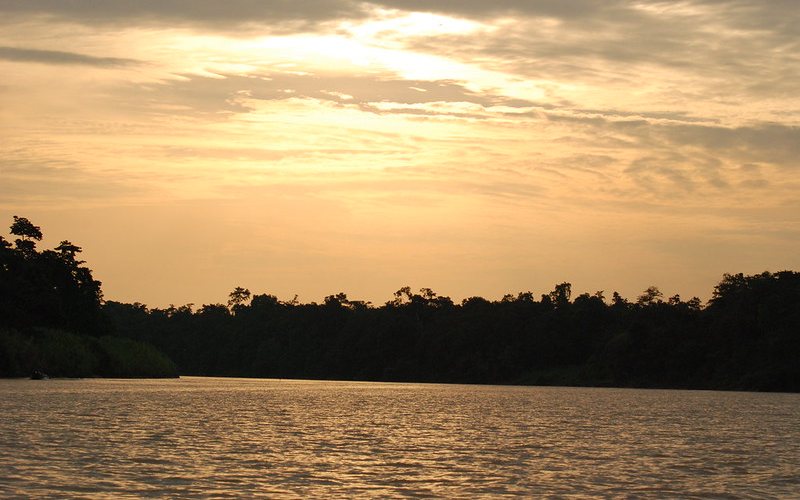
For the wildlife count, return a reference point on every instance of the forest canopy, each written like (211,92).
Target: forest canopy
(747,337)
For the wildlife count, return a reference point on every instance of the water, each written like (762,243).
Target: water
(206,437)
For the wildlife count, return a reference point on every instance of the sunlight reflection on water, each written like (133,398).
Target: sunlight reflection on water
(206,437)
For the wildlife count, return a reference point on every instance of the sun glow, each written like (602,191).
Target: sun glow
(389,26)
(379,47)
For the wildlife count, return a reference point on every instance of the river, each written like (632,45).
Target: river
(211,437)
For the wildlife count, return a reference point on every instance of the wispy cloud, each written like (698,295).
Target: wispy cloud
(705,56)
(377,93)
(17,54)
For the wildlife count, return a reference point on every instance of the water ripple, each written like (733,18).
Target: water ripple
(229,438)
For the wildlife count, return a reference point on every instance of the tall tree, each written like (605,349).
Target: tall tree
(28,235)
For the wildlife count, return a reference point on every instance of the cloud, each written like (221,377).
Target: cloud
(731,48)
(667,154)
(769,143)
(481,8)
(678,159)
(49,182)
(209,14)
(776,15)
(17,54)
(380,94)
(758,143)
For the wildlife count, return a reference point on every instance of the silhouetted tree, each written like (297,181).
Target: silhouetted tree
(28,235)
(51,316)
(561,295)
(650,296)
(238,298)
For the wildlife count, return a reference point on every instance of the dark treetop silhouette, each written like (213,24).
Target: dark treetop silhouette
(746,337)
(51,317)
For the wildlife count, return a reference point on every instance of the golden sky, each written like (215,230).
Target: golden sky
(476,148)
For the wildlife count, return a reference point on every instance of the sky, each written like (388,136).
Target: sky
(476,148)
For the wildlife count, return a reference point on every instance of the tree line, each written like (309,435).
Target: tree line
(746,337)
(52,319)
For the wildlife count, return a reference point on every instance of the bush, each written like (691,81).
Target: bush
(62,354)
(126,358)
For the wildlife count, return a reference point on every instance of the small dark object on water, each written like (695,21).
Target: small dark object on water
(39,375)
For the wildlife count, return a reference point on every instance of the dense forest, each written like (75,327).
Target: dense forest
(51,316)
(747,337)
